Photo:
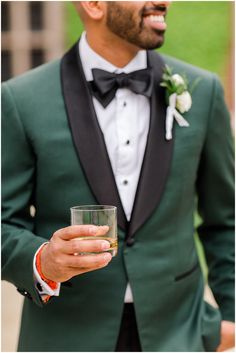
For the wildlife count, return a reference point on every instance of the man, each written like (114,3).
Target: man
(69,140)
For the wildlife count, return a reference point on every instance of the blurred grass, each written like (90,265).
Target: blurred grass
(199,32)
(73,26)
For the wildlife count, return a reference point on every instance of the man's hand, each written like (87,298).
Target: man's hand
(227,336)
(60,259)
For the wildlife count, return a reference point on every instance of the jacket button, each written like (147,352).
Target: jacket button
(24,293)
(130,241)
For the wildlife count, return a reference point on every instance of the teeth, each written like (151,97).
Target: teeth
(160,19)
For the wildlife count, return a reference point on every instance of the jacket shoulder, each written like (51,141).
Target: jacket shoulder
(183,67)
(38,80)
(207,82)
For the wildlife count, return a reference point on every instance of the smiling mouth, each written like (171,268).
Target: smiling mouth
(155,16)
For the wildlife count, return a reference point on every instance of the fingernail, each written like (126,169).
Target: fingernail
(92,230)
(107,257)
(104,228)
(105,245)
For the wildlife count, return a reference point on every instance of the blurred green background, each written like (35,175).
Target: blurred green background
(199,32)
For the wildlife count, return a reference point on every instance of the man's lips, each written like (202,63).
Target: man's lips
(155,22)
(155,17)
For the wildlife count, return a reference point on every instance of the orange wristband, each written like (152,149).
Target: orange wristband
(51,284)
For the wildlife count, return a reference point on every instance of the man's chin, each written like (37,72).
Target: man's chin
(159,44)
(156,42)
(160,39)
(154,45)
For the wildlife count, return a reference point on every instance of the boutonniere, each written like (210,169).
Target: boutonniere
(178,99)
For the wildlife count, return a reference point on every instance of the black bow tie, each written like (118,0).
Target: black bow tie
(105,84)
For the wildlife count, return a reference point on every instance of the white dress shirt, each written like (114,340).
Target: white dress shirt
(124,124)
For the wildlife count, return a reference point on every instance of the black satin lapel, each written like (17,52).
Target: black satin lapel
(158,153)
(87,135)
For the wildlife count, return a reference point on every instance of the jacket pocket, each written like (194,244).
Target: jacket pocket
(211,327)
(187,273)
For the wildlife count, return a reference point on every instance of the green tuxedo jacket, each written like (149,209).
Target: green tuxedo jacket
(54,157)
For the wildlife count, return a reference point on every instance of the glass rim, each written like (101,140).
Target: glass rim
(95,208)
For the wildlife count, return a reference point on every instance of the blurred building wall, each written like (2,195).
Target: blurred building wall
(32,33)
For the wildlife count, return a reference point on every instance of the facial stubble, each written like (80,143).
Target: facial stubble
(130,26)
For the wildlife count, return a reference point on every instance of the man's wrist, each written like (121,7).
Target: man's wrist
(44,286)
(50,283)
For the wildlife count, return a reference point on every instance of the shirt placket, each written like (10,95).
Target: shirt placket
(125,131)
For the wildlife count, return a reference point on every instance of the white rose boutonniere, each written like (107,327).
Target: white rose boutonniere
(177,79)
(183,102)
(178,98)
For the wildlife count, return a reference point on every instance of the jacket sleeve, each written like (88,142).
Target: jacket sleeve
(215,187)
(19,243)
